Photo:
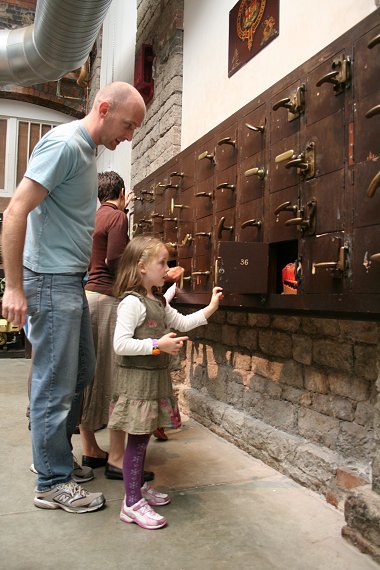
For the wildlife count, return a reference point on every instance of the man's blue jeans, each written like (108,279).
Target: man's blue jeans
(63,365)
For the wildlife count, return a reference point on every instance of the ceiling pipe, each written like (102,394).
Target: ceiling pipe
(58,42)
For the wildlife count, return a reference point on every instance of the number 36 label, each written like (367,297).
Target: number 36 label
(244,261)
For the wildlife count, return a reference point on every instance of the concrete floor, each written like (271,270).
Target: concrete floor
(228,509)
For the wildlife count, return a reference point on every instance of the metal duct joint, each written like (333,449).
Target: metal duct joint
(58,42)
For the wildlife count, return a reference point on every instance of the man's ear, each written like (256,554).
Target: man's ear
(104,108)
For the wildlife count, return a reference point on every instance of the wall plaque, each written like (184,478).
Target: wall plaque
(253,25)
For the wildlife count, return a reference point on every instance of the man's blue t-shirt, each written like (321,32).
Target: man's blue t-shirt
(59,230)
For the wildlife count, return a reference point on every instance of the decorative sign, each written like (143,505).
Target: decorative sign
(253,25)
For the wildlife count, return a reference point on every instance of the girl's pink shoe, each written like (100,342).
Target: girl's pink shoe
(153,497)
(142,514)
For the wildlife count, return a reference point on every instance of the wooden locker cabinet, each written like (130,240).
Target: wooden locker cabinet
(292,177)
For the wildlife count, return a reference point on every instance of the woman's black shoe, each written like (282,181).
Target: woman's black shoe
(94,462)
(112,472)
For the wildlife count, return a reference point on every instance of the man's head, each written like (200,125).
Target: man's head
(117,111)
(110,186)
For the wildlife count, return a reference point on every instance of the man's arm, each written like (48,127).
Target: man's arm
(26,197)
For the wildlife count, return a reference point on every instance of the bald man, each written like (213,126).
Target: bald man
(47,239)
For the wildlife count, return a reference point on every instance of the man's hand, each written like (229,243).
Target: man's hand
(174,273)
(14,306)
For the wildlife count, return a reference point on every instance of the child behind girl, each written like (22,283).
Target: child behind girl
(143,343)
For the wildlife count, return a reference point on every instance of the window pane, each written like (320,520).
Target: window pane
(22,150)
(3,137)
(34,136)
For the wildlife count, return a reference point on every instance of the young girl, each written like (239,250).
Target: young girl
(143,343)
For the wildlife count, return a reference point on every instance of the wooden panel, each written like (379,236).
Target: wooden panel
(205,167)
(226,150)
(252,141)
(365,272)
(225,197)
(203,198)
(279,176)
(366,130)
(186,166)
(367,64)
(203,242)
(328,191)
(224,225)
(242,267)
(280,126)
(248,214)
(202,282)
(322,101)
(275,224)
(251,186)
(322,249)
(366,210)
(328,138)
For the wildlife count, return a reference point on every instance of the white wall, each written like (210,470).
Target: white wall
(118,59)
(209,96)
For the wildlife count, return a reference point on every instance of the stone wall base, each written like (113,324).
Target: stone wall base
(315,467)
(362,513)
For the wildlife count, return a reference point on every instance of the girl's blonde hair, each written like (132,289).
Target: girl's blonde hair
(128,277)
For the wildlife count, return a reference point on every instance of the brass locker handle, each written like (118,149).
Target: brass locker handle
(283,103)
(373,185)
(329,78)
(227,140)
(203,234)
(170,244)
(143,221)
(172,206)
(179,174)
(226,185)
(374,41)
(285,156)
(286,207)
(137,199)
(340,265)
(375,257)
(372,112)
(155,215)
(253,222)
(222,227)
(326,264)
(187,278)
(170,185)
(298,163)
(170,219)
(254,128)
(206,194)
(259,172)
(200,273)
(186,240)
(147,192)
(206,154)
(294,222)
(160,185)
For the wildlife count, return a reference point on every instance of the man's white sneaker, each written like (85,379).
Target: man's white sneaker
(70,497)
(153,497)
(142,514)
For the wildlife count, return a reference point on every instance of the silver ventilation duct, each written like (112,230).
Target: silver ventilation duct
(58,42)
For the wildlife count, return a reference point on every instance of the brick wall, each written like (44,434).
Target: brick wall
(295,392)
(160,23)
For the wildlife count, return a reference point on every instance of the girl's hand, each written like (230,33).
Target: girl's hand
(171,343)
(217,296)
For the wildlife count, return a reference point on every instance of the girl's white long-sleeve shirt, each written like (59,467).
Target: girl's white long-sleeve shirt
(131,314)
